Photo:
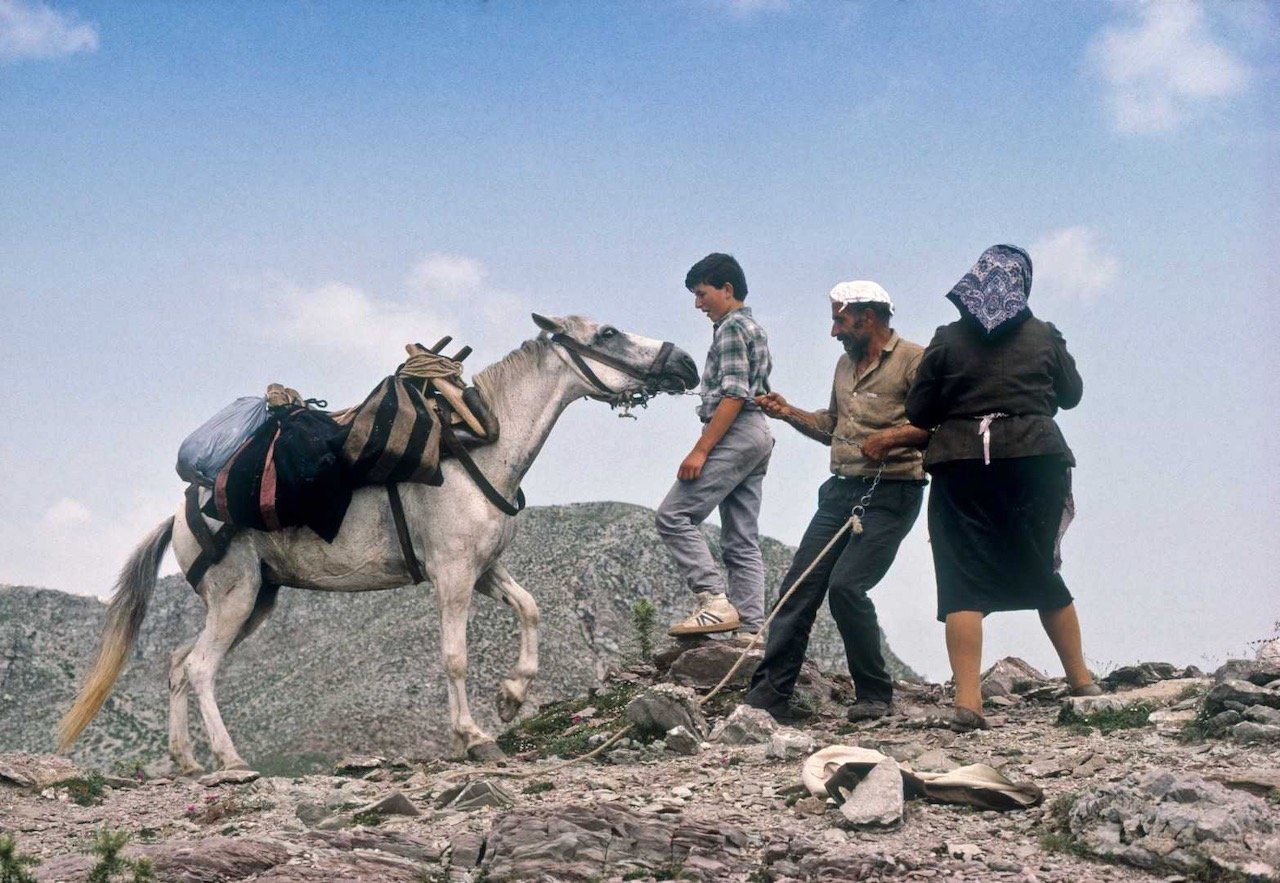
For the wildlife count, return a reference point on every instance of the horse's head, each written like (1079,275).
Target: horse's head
(619,367)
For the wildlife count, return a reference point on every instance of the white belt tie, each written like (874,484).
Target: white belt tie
(984,430)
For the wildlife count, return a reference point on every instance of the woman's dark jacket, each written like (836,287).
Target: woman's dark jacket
(1025,373)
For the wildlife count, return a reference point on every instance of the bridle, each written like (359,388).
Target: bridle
(652,377)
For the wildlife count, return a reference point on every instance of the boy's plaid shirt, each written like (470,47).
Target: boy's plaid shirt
(738,363)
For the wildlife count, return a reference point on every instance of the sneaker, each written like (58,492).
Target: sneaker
(786,713)
(743,638)
(713,614)
(867,710)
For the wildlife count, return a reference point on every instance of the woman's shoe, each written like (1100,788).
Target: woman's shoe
(964,721)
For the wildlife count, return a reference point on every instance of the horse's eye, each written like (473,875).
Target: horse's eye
(608,332)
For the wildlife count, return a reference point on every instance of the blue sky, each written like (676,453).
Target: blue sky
(197,199)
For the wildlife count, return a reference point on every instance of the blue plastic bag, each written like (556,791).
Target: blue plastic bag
(205,451)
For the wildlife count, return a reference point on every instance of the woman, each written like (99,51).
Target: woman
(989,385)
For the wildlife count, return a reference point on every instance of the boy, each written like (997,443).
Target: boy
(726,467)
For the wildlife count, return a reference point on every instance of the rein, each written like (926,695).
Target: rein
(651,376)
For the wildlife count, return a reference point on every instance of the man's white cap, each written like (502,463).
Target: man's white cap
(860,292)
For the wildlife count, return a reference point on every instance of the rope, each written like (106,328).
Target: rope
(429,365)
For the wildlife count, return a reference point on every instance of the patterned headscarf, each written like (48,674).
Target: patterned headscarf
(994,293)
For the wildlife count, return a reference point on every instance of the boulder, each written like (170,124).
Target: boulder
(1237,695)
(706,665)
(877,800)
(1257,672)
(680,741)
(394,804)
(1010,676)
(474,795)
(1252,733)
(229,777)
(745,726)
(1166,821)
(1269,653)
(1140,675)
(789,744)
(1087,705)
(663,707)
(18,769)
(606,841)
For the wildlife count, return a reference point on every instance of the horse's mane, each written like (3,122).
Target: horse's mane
(513,364)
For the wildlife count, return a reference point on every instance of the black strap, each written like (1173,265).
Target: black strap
(212,545)
(402,532)
(652,374)
(462,456)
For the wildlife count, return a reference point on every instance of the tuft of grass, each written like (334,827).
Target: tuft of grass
(368,818)
(86,791)
(1106,722)
(539,787)
(553,732)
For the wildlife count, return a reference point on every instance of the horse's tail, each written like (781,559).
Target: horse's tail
(124,618)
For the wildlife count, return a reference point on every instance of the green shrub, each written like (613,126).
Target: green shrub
(644,617)
(14,864)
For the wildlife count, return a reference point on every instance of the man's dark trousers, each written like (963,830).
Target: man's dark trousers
(853,566)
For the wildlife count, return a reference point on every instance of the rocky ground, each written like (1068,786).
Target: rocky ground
(1174,775)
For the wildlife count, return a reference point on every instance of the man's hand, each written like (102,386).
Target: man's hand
(773,404)
(691,468)
(878,445)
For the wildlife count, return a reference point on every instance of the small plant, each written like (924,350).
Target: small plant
(111,867)
(1107,721)
(538,787)
(644,617)
(369,818)
(14,864)
(87,791)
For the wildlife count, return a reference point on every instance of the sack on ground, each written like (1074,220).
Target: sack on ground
(288,473)
(204,452)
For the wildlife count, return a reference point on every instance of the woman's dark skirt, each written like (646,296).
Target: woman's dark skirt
(994,530)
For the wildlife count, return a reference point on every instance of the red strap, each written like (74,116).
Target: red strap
(267,490)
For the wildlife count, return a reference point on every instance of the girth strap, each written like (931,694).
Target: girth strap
(212,545)
(402,532)
(461,454)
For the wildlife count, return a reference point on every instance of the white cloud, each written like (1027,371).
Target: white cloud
(343,319)
(35,30)
(1071,264)
(66,513)
(445,275)
(1163,67)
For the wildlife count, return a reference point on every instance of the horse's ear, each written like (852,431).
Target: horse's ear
(550,325)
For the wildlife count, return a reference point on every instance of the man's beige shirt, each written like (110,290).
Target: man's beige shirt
(866,403)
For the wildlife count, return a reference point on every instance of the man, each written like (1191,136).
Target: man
(726,467)
(866,426)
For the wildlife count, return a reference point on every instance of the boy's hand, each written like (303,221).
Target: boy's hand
(691,468)
(773,404)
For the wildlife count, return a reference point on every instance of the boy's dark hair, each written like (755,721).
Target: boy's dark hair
(881,310)
(715,270)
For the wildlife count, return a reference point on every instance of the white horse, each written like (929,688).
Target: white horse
(457,534)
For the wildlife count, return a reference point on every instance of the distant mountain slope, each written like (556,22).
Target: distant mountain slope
(339,673)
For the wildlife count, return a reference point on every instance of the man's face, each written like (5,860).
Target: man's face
(715,302)
(852,327)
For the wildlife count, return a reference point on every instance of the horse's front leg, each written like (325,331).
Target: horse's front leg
(498,584)
(453,592)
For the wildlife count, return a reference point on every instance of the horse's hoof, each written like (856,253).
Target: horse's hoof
(486,752)
(508,705)
(192,771)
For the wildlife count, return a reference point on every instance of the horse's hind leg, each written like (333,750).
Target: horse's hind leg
(179,722)
(231,594)
(498,584)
